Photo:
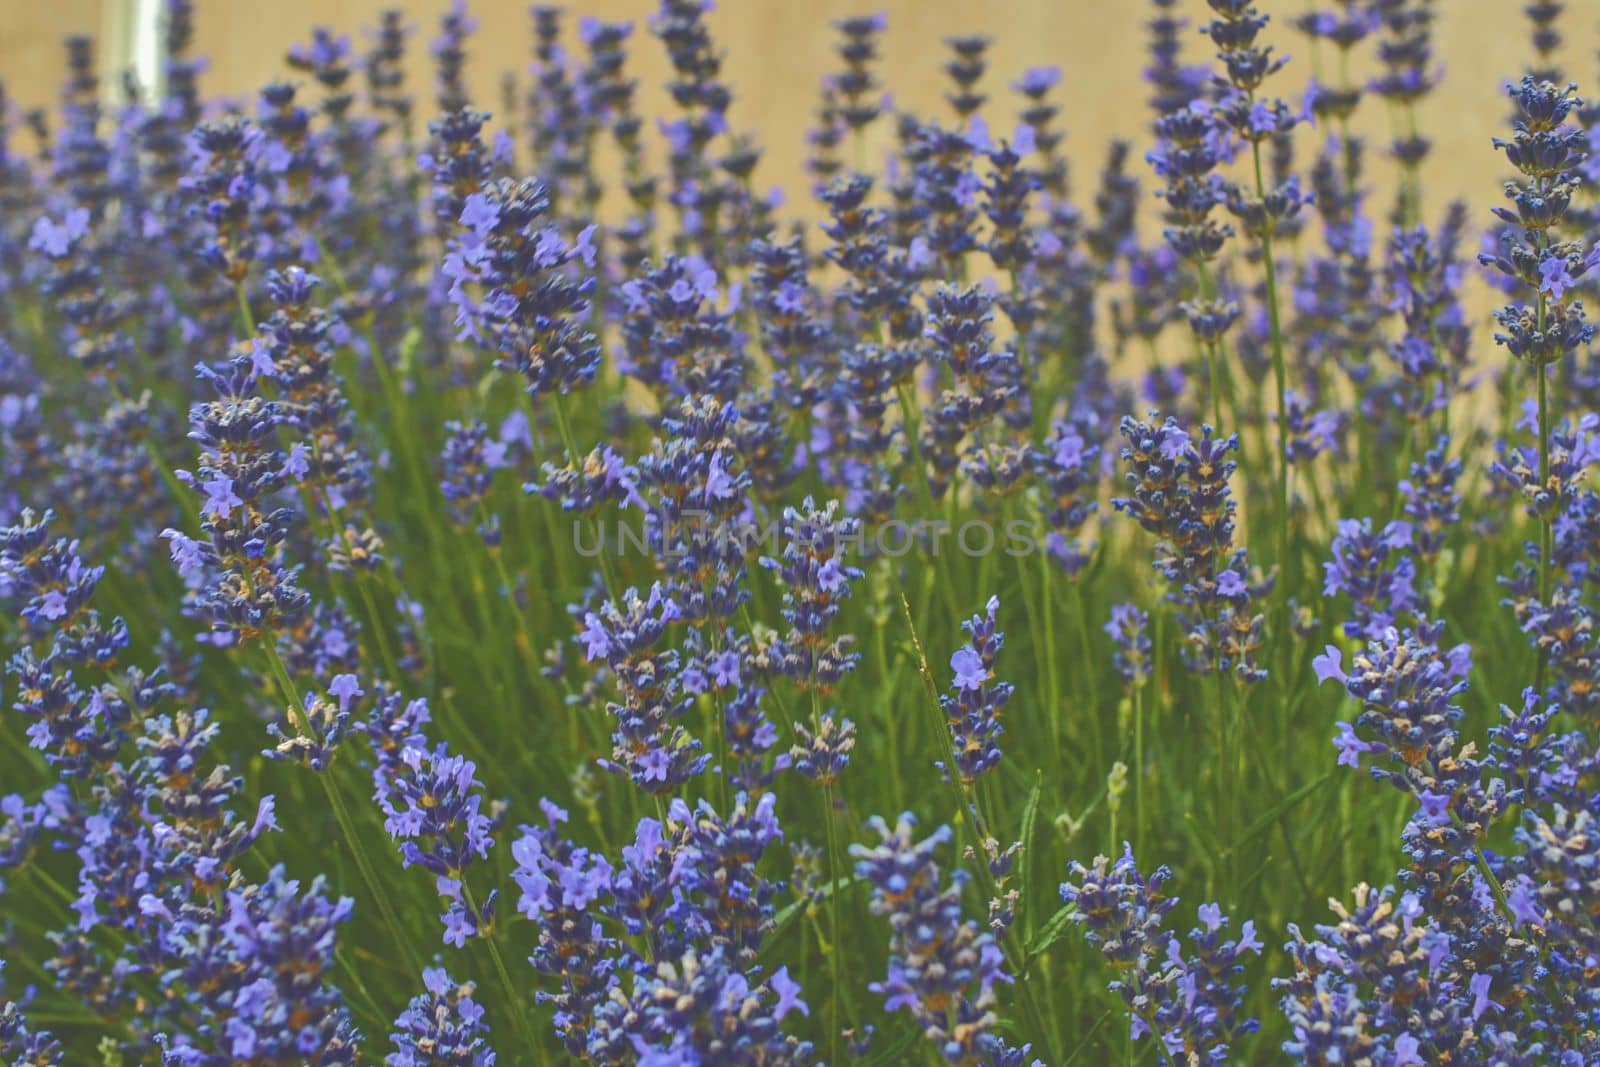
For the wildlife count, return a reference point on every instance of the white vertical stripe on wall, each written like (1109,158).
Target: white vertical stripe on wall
(131,40)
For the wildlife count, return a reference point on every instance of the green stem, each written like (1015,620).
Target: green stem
(1010,945)
(248,320)
(576,458)
(1280,381)
(1093,688)
(1209,347)
(1138,769)
(1052,674)
(518,1016)
(835,927)
(342,817)
(1226,781)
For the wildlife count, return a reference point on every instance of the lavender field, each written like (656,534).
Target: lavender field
(492,579)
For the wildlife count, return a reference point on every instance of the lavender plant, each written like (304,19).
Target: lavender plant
(481,583)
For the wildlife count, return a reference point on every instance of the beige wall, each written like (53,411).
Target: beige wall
(777,49)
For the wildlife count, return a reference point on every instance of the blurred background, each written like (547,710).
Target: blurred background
(777,50)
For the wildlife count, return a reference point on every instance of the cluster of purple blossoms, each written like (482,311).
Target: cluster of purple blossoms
(588,483)
(858,48)
(1374,568)
(161,891)
(294,348)
(1128,630)
(48,587)
(1313,433)
(1409,73)
(1431,357)
(265,976)
(521,288)
(987,387)
(467,468)
(1406,684)
(457,161)
(649,742)
(816,580)
(676,340)
(22,1043)
(1547,151)
(1068,467)
(239,581)
(1437,969)
(1432,501)
(227,193)
(656,954)
(433,804)
(1180,493)
(1191,1003)
(443,1025)
(1191,147)
(695,485)
(943,967)
(1384,985)
(431,801)
(944,192)
(972,708)
(95,316)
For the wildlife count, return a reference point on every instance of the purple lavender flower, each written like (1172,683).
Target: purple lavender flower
(965,68)
(1191,1003)
(225,188)
(241,585)
(1180,493)
(318,726)
(432,803)
(816,581)
(22,1043)
(689,892)
(457,163)
(1186,158)
(858,47)
(443,1024)
(649,744)
(676,340)
(1431,499)
(1547,151)
(943,968)
(276,1005)
(1375,570)
(467,467)
(96,315)
(695,486)
(1175,86)
(702,1008)
(1128,630)
(945,191)
(297,344)
(450,57)
(505,242)
(1068,466)
(973,707)
(986,383)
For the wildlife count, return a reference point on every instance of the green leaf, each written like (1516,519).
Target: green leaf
(1051,931)
(1084,1042)
(896,1053)
(407,349)
(1030,817)
(1271,815)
